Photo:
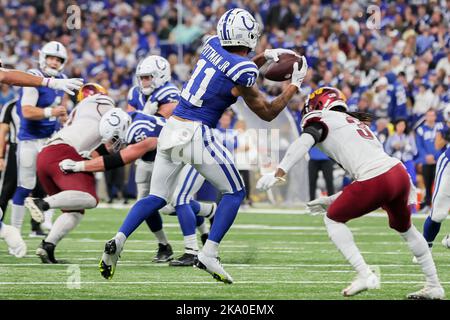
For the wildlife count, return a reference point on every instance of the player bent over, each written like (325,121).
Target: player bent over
(142,137)
(380,181)
(72,193)
(222,73)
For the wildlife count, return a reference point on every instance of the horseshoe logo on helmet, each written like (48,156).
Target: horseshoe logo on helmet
(245,24)
(163,67)
(114,120)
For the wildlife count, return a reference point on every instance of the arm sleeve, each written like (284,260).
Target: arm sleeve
(30,96)
(297,150)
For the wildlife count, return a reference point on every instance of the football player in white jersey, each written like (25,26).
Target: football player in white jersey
(74,192)
(379,181)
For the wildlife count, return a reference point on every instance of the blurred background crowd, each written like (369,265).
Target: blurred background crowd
(390,58)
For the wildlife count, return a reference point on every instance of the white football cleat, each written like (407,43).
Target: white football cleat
(446,241)
(360,284)
(213,266)
(428,293)
(110,256)
(16,246)
(34,205)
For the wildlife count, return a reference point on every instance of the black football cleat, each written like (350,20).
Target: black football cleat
(186,260)
(46,251)
(164,254)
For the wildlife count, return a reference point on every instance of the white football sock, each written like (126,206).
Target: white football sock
(342,237)
(419,247)
(71,200)
(120,239)
(17,215)
(65,223)
(205,209)
(203,228)
(49,217)
(190,244)
(211,248)
(161,237)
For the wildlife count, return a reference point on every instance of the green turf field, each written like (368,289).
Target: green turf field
(271,255)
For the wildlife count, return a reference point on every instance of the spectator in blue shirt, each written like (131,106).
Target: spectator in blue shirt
(427,153)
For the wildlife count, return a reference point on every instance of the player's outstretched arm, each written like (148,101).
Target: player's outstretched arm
(23,79)
(110,161)
(269,110)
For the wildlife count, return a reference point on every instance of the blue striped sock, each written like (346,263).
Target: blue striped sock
(430,230)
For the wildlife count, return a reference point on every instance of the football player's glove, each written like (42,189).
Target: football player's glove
(267,181)
(70,166)
(272,54)
(298,75)
(320,205)
(67,85)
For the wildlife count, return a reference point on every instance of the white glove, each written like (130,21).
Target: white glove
(68,85)
(70,166)
(267,181)
(272,54)
(85,154)
(298,75)
(320,206)
(150,108)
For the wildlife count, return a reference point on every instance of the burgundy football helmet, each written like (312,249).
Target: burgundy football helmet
(325,98)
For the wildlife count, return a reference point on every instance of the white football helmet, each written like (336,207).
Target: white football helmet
(237,27)
(158,68)
(113,128)
(56,49)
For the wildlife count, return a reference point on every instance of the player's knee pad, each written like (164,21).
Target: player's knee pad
(439,213)
(168,210)
(27,178)
(20,195)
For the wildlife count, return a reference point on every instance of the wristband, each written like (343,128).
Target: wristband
(48,112)
(45,82)
(113,161)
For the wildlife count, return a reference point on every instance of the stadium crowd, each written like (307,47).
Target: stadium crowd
(394,66)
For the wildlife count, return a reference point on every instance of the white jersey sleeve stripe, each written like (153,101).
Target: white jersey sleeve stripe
(239,65)
(237,75)
(137,126)
(167,93)
(171,88)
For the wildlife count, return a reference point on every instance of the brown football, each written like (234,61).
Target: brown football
(282,69)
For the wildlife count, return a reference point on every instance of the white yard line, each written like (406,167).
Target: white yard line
(196,282)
